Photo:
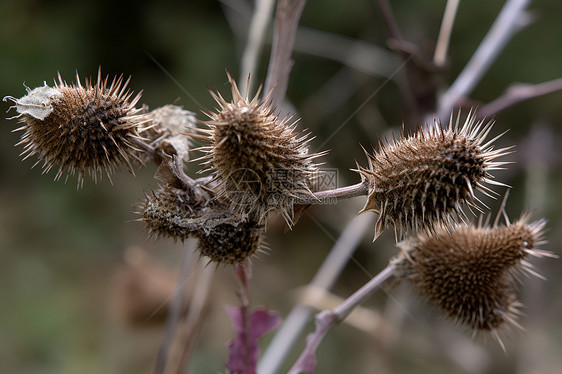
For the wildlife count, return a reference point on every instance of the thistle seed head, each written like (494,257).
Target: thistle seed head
(261,161)
(87,128)
(423,179)
(470,272)
(230,244)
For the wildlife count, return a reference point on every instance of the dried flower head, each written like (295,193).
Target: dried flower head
(176,213)
(188,208)
(167,211)
(260,159)
(470,272)
(166,132)
(423,179)
(230,244)
(81,128)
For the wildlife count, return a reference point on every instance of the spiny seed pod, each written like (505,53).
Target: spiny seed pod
(260,159)
(230,244)
(423,179)
(470,272)
(90,128)
(180,213)
(166,211)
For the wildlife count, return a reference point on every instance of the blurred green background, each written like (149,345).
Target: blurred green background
(62,251)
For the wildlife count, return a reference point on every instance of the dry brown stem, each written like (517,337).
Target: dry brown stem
(280,63)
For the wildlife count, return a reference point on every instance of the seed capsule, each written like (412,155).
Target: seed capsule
(261,160)
(182,212)
(230,244)
(167,211)
(469,272)
(82,129)
(423,179)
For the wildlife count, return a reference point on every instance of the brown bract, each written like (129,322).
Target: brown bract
(423,179)
(88,128)
(261,162)
(470,272)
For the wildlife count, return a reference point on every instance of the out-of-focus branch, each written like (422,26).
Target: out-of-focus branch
(255,41)
(362,56)
(420,87)
(328,319)
(362,318)
(440,55)
(191,323)
(389,21)
(510,20)
(325,277)
(405,50)
(176,308)
(280,63)
(238,14)
(517,93)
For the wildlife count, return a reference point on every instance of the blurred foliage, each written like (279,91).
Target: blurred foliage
(60,248)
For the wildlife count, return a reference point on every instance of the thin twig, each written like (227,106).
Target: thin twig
(440,55)
(325,277)
(340,312)
(355,190)
(146,147)
(509,21)
(254,44)
(280,63)
(362,318)
(327,196)
(517,93)
(328,319)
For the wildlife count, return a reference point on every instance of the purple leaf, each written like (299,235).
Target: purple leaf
(243,351)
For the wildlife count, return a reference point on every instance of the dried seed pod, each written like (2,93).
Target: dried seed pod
(90,128)
(230,244)
(175,213)
(470,272)
(260,159)
(423,179)
(184,208)
(166,132)
(167,212)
